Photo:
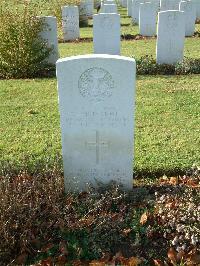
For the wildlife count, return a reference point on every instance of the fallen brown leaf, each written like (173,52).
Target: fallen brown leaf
(173,180)
(158,263)
(47,247)
(63,248)
(61,260)
(76,263)
(172,255)
(192,183)
(126,231)
(97,263)
(194,260)
(134,261)
(181,256)
(144,218)
(21,259)
(47,262)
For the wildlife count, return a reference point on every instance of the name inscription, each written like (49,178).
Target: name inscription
(96,119)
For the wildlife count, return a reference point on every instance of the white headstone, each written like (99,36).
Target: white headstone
(157,4)
(109,2)
(190,16)
(106,34)
(169,5)
(129,7)
(135,10)
(97,119)
(83,13)
(198,9)
(197,6)
(109,8)
(49,35)
(171,36)
(124,3)
(87,7)
(70,23)
(147,19)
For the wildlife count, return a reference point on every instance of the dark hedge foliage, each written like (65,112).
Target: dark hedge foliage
(147,65)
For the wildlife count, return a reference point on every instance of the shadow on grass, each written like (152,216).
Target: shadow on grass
(47,166)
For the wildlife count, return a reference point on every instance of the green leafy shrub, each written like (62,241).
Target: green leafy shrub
(188,66)
(147,65)
(22,52)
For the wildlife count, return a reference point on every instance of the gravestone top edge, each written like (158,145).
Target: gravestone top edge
(170,11)
(147,3)
(47,17)
(95,56)
(107,14)
(68,6)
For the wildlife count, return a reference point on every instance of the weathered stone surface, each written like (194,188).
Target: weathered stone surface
(171,36)
(97,119)
(147,19)
(109,8)
(169,5)
(50,36)
(129,7)
(106,34)
(70,23)
(190,16)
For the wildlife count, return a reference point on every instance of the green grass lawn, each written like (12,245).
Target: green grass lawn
(167,136)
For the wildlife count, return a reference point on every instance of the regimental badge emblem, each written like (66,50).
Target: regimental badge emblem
(96,84)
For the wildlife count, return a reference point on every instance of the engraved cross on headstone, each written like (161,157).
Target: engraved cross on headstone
(97,144)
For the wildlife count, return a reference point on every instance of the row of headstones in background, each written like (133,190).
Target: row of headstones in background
(97,119)
(162,5)
(106,31)
(174,5)
(70,18)
(148,17)
(173,26)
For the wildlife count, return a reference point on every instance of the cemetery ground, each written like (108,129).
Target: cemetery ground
(157,222)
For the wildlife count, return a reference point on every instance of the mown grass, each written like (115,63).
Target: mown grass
(167,135)
(167,114)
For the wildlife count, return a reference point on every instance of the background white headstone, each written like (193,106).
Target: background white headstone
(147,19)
(197,9)
(109,8)
(135,10)
(70,23)
(106,34)
(169,5)
(129,8)
(83,13)
(88,5)
(124,3)
(97,119)
(170,37)
(197,5)
(109,2)
(49,35)
(190,16)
